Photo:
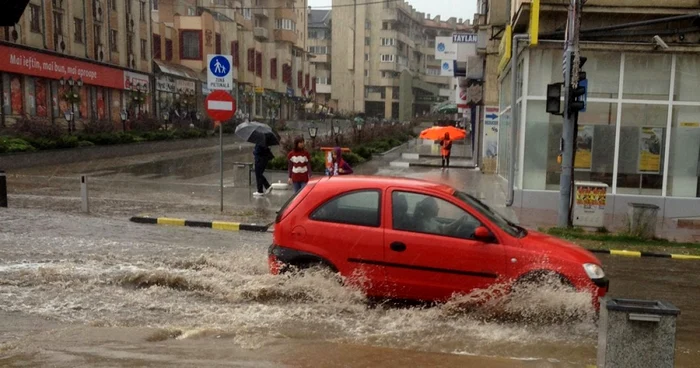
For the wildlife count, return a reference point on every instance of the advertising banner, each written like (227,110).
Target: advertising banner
(584,148)
(650,150)
(445,49)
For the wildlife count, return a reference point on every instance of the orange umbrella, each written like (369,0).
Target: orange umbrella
(437,132)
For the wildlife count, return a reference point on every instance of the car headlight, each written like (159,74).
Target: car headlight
(593,271)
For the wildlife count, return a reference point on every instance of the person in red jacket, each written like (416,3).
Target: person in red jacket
(299,165)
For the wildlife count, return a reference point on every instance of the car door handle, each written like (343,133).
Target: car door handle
(397,246)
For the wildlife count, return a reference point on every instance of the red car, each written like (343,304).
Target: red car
(411,239)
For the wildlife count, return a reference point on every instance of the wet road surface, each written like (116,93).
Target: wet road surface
(82,291)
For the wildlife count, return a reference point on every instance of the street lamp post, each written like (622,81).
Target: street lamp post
(313,131)
(124,115)
(336,132)
(69,118)
(359,131)
(71,96)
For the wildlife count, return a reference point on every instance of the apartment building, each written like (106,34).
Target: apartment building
(320,40)
(387,65)
(100,50)
(640,132)
(266,38)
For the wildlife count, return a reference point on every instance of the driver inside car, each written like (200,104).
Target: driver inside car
(425,217)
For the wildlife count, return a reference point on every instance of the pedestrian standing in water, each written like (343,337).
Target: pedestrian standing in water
(299,165)
(446,145)
(338,165)
(262,155)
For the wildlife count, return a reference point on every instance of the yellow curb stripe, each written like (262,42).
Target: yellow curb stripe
(230,226)
(626,253)
(171,221)
(684,256)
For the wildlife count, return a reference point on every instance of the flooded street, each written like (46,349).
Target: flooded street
(85,291)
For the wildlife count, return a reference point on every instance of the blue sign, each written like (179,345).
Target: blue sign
(219,66)
(584,97)
(290,91)
(446,66)
(441,47)
(491,116)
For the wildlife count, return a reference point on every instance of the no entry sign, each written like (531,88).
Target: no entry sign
(220,105)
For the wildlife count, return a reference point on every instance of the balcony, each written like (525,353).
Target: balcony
(389,67)
(323,88)
(284,13)
(433,63)
(283,35)
(260,12)
(390,15)
(246,24)
(435,79)
(260,33)
(427,50)
(320,58)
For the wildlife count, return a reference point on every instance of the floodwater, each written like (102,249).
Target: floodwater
(81,291)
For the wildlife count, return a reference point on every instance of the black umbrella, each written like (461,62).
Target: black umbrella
(257,133)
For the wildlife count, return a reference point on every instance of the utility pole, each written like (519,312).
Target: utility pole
(571,71)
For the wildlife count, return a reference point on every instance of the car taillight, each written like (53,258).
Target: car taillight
(273,264)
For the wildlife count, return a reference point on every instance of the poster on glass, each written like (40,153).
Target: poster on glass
(584,148)
(650,150)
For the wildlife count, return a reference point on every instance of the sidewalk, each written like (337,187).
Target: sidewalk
(425,153)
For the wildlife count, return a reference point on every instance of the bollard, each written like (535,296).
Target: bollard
(636,334)
(3,189)
(85,204)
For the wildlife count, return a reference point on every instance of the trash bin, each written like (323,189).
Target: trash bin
(242,174)
(636,334)
(589,205)
(642,219)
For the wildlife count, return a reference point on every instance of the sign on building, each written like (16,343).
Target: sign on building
(447,68)
(219,73)
(445,49)
(465,38)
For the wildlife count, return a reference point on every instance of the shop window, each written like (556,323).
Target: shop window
(603,73)
(191,45)
(687,78)
(16,95)
(156,47)
(168,49)
(41,97)
(101,108)
(595,148)
(545,68)
(647,76)
(684,163)
(84,98)
(642,149)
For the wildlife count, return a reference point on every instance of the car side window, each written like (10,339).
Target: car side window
(431,215)
(356,208)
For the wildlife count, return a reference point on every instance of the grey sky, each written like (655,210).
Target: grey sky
(445,8)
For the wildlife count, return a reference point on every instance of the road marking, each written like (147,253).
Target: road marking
(626,253)
(171,221)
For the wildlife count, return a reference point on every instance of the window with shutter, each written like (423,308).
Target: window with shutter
(234,54)
(306,81)
(258,64)
(313,84)
(273,68)
(300,79)
(251,60)
(168,49)
(156,47)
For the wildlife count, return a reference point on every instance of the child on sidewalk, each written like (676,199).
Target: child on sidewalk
(299,165)
(446,145)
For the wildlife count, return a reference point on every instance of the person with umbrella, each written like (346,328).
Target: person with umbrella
(263,137)
(446,145)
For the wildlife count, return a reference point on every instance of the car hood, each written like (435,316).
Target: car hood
(557,248)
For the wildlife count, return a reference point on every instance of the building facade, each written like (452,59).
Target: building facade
(320,40)
(640,132)
(266,38)
(387,66)
(83,60)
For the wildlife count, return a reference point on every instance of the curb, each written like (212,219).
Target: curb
(216,225)
(418,164)
(638,254)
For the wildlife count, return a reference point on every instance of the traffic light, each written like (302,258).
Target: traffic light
(577,96)
(554,98)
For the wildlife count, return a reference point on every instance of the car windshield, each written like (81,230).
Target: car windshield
(493,216)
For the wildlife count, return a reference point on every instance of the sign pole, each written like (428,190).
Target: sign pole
(221,163)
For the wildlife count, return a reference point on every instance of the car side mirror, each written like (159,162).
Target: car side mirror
(483,234)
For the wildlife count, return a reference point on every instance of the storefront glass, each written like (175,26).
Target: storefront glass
(687,78)
(647,76)
(545,68)
(603,74)
(642,149)
(684,162)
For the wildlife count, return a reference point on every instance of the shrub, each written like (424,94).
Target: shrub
(352,158)
(35,127)
(318,162)
(145,125)
(363,152)
(42,143)
(278,163)
(67,141)
(98,126)
(85,144)
(9,145)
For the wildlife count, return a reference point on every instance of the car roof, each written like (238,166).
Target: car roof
(383,182)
